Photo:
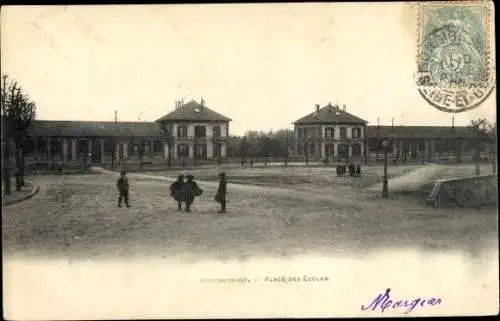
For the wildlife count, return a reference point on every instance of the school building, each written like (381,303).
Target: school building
(192,130)
(332,133)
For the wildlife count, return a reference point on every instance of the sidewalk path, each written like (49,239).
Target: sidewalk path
(28,191)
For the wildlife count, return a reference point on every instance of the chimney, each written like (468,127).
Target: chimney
(116,117)
(317,107)
(202,103)
(343,107)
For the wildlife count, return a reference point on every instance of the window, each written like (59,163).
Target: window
(156,146)
(182,131)
(216,131)
(343,132)
(201,150)
(83,147)
(200,131)
(329,132)
(56,147)
(356,132)
(183,150)
(147,146)
(356,150)
(300,149)
(41,145)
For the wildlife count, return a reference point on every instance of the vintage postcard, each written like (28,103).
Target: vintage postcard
(249,160)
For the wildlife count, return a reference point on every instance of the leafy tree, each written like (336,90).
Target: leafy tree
(18,112)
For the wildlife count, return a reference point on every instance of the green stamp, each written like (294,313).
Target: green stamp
(454,60)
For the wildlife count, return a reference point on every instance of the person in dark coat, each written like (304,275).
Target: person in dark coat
(358,170)
(191,190)
(123,187)
(177,191)
(220,197)
(351,170)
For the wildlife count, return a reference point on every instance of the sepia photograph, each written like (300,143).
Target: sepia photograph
(249,160)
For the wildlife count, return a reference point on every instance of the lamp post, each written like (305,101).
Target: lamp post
(385,186)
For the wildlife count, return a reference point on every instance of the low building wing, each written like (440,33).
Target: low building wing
(420,132)
(56,128)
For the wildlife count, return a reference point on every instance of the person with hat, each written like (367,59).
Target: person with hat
(220,197)
(123,186)
(191,190)
(177,191)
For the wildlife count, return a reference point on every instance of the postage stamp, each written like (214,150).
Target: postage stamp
(455,57)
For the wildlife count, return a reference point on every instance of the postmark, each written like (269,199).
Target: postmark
(455,57)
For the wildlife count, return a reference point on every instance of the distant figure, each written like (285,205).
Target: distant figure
(220,197)
(242,162)
(358,170)
(340,170)
(177,191)
(352,170)
(18,176)
(123,186)
(191,190)
(251,163)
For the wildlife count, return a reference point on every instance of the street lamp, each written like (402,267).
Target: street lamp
(385,186)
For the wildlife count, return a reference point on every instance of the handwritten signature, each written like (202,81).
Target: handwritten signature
(383,301)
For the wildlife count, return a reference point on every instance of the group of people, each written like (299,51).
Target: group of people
(182,191)
(350,169)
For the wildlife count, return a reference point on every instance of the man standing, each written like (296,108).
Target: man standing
(220,197)
(122,185)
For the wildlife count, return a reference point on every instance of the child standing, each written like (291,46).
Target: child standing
(122,185)
(191,190)
(220,197)
(177,191)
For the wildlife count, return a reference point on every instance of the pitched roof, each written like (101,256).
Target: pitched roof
(193,111)
(68,128)
(420,131)
(330,114)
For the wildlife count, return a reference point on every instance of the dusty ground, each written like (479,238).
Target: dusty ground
(76,216)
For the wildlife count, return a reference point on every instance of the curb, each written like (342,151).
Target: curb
(35,190)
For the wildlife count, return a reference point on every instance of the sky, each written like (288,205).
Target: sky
(263,65)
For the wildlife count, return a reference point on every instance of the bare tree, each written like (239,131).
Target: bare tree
(493,145)
(168,137)
(306,147)
(138,143)
(18,112)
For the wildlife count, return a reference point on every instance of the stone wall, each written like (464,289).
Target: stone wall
(472,191)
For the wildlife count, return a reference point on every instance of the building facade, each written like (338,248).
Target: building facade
(191,131)
(331,133)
